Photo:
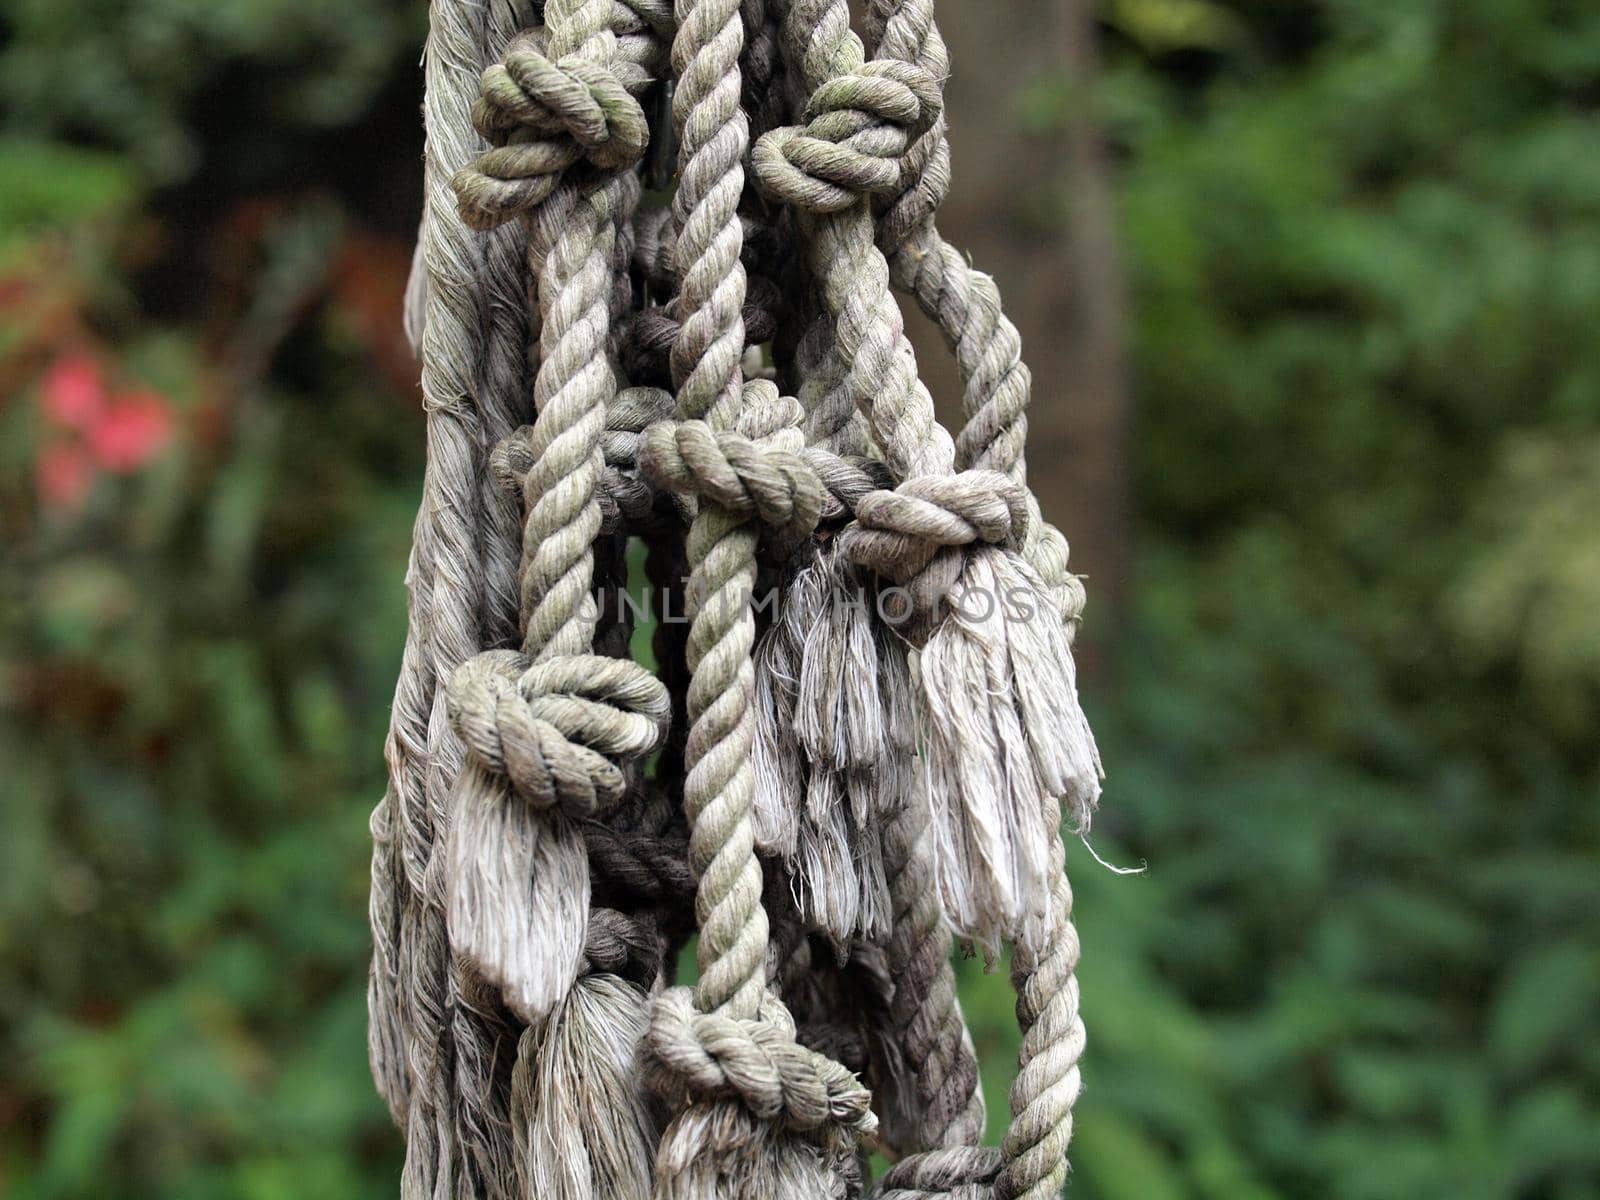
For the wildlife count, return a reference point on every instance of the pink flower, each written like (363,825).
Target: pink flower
(64,474)
(101,432)
(74,391)
(131,431)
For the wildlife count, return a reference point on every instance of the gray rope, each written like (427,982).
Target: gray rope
(557,725)
(963,302)
(957,1173)
(447,631)
(530,888)
(1048,1080)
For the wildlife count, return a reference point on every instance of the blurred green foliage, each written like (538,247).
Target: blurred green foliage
(139,75)
(1356,734)
(1352,726)
(195,675)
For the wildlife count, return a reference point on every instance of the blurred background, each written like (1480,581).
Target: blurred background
(1310,290)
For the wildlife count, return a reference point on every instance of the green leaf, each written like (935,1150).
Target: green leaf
(53,185)
(1119,1162)
(1550,996)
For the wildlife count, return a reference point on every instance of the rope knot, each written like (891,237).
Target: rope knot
(627,501)
(619,944)
(543,116)
(758,1062)
(860,126)
(898,533)
(757,473)
(956,1173)
(561,731)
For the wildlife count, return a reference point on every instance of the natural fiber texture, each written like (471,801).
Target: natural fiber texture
(585,1132)
(981,676)
(446,592)
(861,727)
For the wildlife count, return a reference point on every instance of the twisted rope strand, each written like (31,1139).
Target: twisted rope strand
(706,364)
(945,1107)
(1048,1080)
(447,630)
(851,271)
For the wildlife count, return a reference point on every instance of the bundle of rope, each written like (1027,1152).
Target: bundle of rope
(861,726)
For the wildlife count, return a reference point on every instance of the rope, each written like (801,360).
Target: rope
(826,790)
(965,304)
(962,301)
(446,593)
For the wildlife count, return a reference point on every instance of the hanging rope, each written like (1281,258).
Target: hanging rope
(861,725)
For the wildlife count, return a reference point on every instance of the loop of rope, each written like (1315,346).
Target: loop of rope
(962,301)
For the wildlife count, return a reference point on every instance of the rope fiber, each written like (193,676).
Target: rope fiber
(655,303)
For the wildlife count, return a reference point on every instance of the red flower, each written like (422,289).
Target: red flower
(74,391)
(131,431)
(64,474)
(102,432)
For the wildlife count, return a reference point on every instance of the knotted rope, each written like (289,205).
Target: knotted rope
(992,846)
(720,1144)
(861,728)
(558,725)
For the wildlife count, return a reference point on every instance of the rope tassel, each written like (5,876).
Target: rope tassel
(587,1130)
(1000,727)
(560,731)
(823,749)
